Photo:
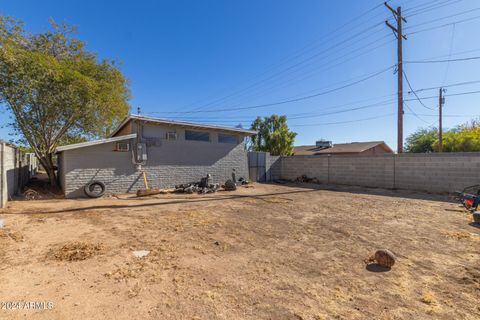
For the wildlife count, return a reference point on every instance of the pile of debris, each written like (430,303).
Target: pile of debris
(39,189)
(304,179)
(230,185)
(75,251)
(204,186)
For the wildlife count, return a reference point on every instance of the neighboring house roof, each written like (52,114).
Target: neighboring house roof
(95,142)
(354,147)
(182,124)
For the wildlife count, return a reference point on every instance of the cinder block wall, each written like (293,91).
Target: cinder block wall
(373,171)
(169,163)
(8,165)
(311,166)
(16,168)
(3,180)
(273,167)
(445,172)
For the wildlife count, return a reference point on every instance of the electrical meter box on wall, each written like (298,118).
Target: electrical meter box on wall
(141,152)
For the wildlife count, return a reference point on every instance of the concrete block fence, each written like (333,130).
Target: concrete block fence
(434,172)
(16,168)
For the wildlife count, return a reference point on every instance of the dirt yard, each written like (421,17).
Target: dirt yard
(267,252)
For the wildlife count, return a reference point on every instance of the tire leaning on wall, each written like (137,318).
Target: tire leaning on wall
(92,192)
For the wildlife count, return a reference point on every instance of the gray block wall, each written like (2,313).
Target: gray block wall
(16,168)
(273,167)
(445,172)
(373,171)
(169,163)
(311,166)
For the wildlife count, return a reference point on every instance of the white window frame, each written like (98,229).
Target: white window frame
(171,136)
(120,149)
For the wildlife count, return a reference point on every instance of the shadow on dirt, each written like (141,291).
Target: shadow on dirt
(304,188)
(475,225)
(263,197)
(374,267)
(397,193)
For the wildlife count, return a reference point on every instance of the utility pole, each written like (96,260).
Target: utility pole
(397,14)
(441,101)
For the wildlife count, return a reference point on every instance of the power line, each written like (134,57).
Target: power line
(312,115)
(314,44)
(383,102)
(453,54)
(447,86)
(452,115)
(447,69)
(443,18)
(342,122)
(316,114)
(363,119)
(413,112)
(423,5)
(335,89)
(316,71)
(291,67)
(413,91)
(364,107)
(462,94)
(447,95)
(302,62)
(445,61)
(443,25)
(432,8)
(286,101)
(307,59)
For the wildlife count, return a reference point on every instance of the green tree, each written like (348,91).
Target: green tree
(421,141)
(273,136)
(463,138)
(57,91)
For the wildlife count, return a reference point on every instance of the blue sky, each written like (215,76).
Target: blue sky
(211,56)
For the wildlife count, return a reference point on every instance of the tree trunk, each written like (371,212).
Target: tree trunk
(47,163)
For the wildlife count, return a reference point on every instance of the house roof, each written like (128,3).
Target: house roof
(182,124)
(354,147)
(95,142)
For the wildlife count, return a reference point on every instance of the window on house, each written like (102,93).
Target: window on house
(171,136)
(227,138)
(197,135)
(123,146)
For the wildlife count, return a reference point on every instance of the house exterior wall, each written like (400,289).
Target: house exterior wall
(375,151)
(127,129)
(169,162)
